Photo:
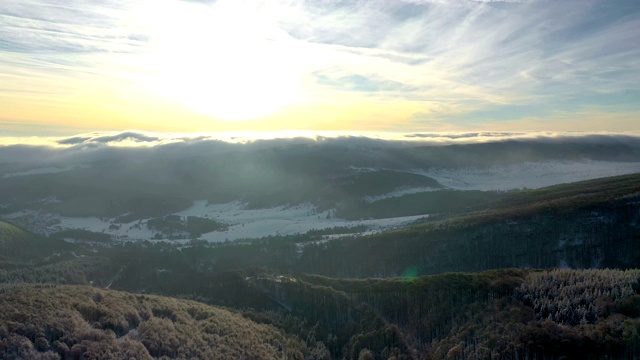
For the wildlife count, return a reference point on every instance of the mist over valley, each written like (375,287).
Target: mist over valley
(321,248)
(282,186)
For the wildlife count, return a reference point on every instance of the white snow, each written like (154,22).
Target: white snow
(287,220)
(530,175)
(136,230)
(46,224)
(281,220)
(243,223)
(397,193)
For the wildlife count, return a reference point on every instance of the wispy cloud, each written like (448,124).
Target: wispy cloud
(488,51)
(453,63)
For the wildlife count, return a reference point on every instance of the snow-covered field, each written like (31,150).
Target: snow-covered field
(246,223)
(517,176)
(397,193)
(46,224)
(281,220)
(243,223)
(528,175)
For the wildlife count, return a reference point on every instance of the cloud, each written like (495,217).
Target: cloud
(106,139)
(208,142)
(480,53)
(69,27)
(471,135)
(65,55)
(123,152)
(450,60)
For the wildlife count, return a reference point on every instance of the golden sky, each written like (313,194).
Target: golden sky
(397,66)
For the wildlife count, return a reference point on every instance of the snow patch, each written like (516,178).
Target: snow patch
(243,223)
(530,175)
(282,220)
(398,193)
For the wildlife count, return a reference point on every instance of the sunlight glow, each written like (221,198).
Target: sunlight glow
(222,60)
(138,138)
(272,65)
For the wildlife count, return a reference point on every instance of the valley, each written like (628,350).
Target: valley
(356,206)
(343,258)
(320,180)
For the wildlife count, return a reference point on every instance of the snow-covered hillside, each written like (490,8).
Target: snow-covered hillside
(530,175)
(243,223)
(282,220)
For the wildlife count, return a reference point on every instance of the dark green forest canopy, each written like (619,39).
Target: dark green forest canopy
(509,313)
(351,298)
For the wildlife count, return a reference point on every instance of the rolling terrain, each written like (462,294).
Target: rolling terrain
(91,323)
(282,186)
(376,253)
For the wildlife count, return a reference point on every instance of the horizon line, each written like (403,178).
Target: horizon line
(142,138)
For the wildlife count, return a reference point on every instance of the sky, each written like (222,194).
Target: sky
(405,66)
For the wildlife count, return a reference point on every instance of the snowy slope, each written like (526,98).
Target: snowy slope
(528,175)
(246,223)
(243,223)
(281,220)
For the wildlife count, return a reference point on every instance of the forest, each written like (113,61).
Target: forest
(320,179)
(537,274)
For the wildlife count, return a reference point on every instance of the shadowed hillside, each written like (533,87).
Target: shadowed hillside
(20,246)
(581,225)
(157,181)
(463,283)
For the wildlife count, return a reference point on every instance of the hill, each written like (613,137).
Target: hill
(11,235)
(158,181)
(591,224)
(464,283)
(76,322)
(18,245)
(573,314)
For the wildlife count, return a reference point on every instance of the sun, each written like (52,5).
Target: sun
(224,60)
(244,83)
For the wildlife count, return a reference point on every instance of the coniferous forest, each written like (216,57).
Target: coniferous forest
(320,179)
(533,274)
(544,273)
